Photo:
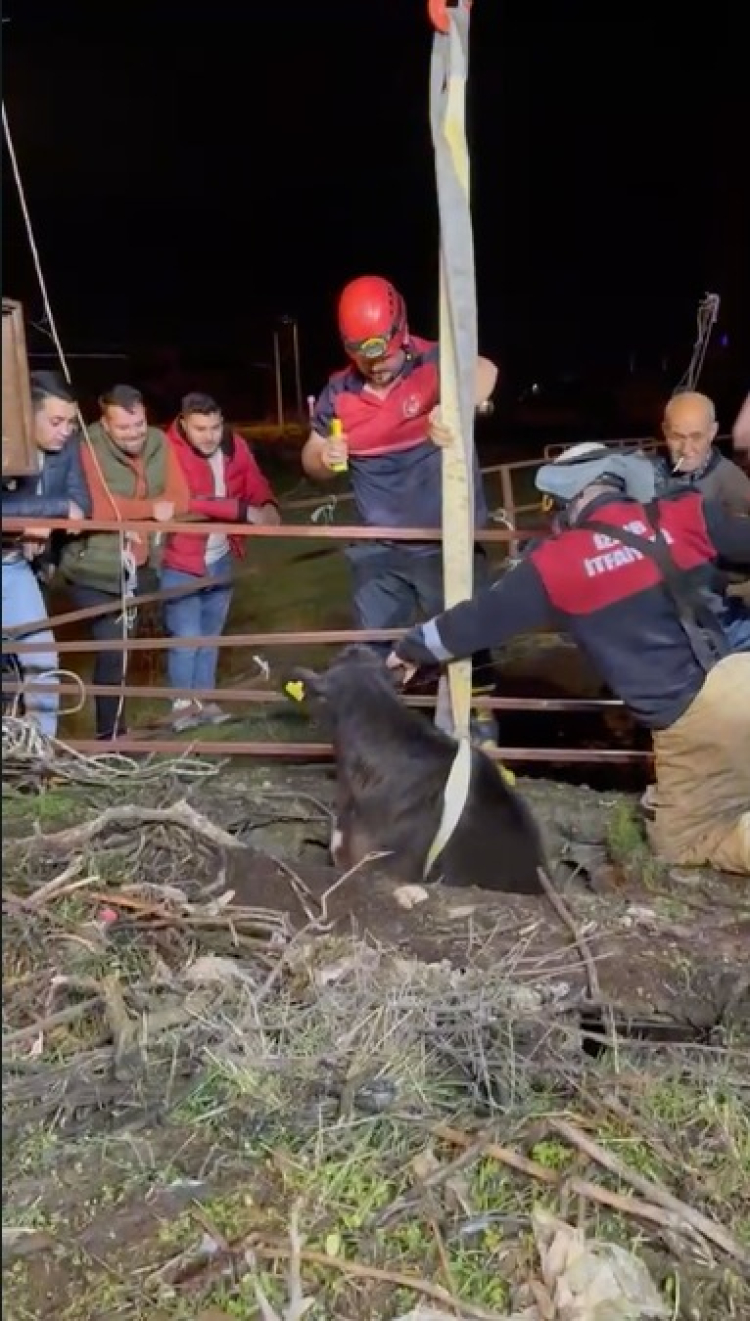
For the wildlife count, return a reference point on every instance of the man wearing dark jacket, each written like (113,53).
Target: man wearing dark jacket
(59,491)
(694,463)
(620,577)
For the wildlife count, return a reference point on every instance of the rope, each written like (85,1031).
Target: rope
(708,312)
(127,587)
(45,676)
(458,330)
(25,748)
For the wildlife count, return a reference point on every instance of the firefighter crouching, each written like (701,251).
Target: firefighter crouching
(624,576)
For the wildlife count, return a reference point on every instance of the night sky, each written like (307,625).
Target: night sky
(192,171)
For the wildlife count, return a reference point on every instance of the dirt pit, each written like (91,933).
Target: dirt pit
(659,936)
(215,1044)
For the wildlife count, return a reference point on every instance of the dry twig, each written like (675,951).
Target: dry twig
(566,917)
(362,1271)
(663,1208)
(180,814)
(42,1025)
(656,1192)
(513,1159)
(474,1151)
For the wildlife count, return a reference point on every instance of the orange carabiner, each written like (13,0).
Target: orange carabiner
(438,11)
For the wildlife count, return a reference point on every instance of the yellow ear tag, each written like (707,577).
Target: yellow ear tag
(295,689)
(548,504)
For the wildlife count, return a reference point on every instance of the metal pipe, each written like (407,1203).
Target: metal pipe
(297,369)
(277,375)
(324,751)
(270,697)
(336,637)
(282,531)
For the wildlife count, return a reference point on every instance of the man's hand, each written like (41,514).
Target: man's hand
(439,433)
(33,549)
(334,453)
(37,534)
(265,516)
(163,511)
(75,512)
(406,671)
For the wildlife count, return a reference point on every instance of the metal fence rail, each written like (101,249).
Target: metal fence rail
(257,697)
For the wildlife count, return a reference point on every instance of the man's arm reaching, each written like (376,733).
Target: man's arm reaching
(516,604)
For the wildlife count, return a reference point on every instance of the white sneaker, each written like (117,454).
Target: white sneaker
(212,714)
(186,714)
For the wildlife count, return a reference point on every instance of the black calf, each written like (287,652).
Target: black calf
(392,769)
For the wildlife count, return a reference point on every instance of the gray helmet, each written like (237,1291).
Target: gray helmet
(592,462)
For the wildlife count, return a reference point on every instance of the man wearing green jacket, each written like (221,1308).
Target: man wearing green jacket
(132,474)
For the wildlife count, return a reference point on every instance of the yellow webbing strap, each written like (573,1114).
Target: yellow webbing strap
(454,801)
(458,329)
(458,355)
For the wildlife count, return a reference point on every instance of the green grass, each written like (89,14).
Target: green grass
(106,1218)
(629,849)
(116,1227)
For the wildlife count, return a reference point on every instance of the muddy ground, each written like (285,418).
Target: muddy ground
(153,1164)
(656,933)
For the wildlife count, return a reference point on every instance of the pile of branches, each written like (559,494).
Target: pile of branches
(124,949)
(127,959)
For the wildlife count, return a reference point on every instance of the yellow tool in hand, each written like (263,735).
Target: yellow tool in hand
(337,429)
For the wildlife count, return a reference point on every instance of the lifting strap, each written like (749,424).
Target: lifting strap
(458,329)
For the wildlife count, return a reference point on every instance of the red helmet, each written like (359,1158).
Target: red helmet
(372,317)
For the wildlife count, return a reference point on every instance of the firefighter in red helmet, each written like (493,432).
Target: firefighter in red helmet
(373,329)
(385,405)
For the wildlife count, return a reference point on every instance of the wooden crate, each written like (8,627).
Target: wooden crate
(20,458)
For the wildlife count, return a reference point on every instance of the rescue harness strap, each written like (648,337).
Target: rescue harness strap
(696,618)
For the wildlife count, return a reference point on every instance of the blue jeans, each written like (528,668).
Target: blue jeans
(201,614)
(22,604)
(396,586)
(735,619)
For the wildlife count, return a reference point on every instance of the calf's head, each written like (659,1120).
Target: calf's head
(356,674)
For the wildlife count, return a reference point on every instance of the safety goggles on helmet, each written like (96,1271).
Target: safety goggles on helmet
(376,346)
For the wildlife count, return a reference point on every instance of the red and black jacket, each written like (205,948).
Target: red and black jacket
(611,599)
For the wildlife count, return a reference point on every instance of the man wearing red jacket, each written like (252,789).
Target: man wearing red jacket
(225,484)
